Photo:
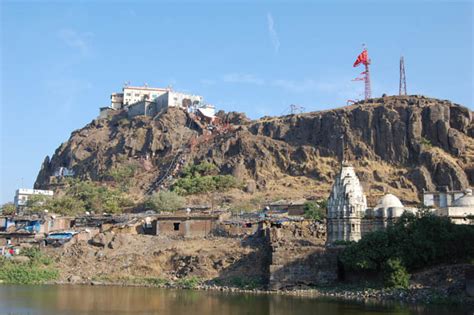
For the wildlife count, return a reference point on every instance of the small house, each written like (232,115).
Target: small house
(186,225)
(292,207)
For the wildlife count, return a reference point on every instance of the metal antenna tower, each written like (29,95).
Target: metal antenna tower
(364,59)
(368,88)
(403,80)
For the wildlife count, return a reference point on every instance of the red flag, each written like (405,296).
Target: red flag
(362,58)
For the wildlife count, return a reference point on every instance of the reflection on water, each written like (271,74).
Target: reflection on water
(74,300)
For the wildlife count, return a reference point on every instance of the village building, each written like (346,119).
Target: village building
(461,210)
(135,94)
(23,194)
(142,108)
(63,172)
(442,198)
(188,225)
(178,100)
(36,224)
(18,229)
(292,207)
(206,113)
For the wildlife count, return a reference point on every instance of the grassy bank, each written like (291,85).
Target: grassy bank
(33,268)
(242,283)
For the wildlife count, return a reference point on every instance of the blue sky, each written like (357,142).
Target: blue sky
(61,61)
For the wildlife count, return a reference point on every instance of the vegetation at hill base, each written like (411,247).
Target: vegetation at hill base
(8,209)
(315,210)
(412,243)
(39,269)
(203,178)
(80,196)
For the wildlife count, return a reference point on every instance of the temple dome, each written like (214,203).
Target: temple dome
(465,201)
(389,201)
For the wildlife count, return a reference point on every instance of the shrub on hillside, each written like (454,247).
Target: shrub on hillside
(165,201)
(203,178)
(122,174)
(202,169)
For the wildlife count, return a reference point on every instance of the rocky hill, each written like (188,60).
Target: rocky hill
(399,144)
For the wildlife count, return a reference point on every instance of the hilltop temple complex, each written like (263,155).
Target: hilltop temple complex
(149,101)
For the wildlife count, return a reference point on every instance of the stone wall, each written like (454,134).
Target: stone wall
(298,255)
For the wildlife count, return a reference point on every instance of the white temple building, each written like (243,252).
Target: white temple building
(347,205)
(349,218)
(461,210)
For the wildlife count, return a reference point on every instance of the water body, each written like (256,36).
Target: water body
(72,300)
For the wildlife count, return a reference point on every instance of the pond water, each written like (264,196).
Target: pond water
(56,299)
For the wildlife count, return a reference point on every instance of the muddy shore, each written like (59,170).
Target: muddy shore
(412,295)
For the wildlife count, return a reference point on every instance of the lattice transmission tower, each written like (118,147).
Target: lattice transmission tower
(364,59)
(403,80)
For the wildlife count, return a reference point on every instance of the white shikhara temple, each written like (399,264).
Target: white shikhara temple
(349,218)
(347,204)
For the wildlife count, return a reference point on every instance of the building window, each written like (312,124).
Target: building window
(176,226)
(129,94)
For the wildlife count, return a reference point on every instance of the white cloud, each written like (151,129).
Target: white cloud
(272,32)
(75,40)
(243,78)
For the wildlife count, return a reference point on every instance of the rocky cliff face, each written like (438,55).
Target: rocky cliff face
(400,144)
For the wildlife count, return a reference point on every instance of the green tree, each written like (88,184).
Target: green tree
(418,241)
(395,274)
(315,210)
(165,201)
(98,198)
(203,178)
(66,205)
(37,203)
(8,209)
(225,182)
(202,169)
